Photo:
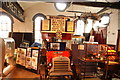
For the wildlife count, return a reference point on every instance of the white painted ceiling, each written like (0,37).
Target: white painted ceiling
(73,0)
(29,3)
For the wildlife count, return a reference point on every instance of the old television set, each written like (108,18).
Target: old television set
(56,46)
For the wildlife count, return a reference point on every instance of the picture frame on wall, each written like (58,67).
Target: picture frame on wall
(45,25)
(69,26)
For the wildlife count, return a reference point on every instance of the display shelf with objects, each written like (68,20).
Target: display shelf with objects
(101,57)
(107,52)
(29,58)
(57,26)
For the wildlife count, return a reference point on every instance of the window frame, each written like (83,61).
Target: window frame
(76,27)
(12,21)
(33,19)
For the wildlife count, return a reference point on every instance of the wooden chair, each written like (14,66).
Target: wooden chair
(60,67)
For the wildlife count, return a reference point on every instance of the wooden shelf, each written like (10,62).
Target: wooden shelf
(78,37)
(55,32)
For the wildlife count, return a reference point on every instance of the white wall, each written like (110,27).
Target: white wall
(46,9)
(112,29)
(49,9)
(19,26)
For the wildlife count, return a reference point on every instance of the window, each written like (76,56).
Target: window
(5,25)
(88,26)
(79,29)
(37,19)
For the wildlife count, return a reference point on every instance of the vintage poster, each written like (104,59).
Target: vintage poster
(28,62)
(21,56)
(58,22)
(34,63)
(28,52)
(46,25)
(70,26)
(18,58)
(35,53)
(35,59)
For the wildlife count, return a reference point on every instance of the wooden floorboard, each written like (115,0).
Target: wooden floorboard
(22,73)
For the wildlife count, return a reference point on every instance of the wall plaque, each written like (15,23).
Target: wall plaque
(46,25)
(58,22)
(70,26)
(14,9)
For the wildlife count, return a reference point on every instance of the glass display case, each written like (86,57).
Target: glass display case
(7,62)
(9,50)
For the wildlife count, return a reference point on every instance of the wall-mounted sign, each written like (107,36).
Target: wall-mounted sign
(58,22)
(70,26)
(46,25)
(14,9)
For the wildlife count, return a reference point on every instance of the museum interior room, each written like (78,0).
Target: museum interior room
(60,39)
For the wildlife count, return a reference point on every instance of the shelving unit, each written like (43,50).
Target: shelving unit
(55,32)
(29,58)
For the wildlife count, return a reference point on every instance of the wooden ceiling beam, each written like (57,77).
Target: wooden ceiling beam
(115,5)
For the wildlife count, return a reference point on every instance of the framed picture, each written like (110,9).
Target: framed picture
(28,62)
(34,63)
(69,26)
(21,56)
(56,46)
(28,52)
(35,53)
(58,22)
(45,25)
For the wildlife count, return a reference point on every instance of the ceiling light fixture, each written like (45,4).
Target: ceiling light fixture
(61,6)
